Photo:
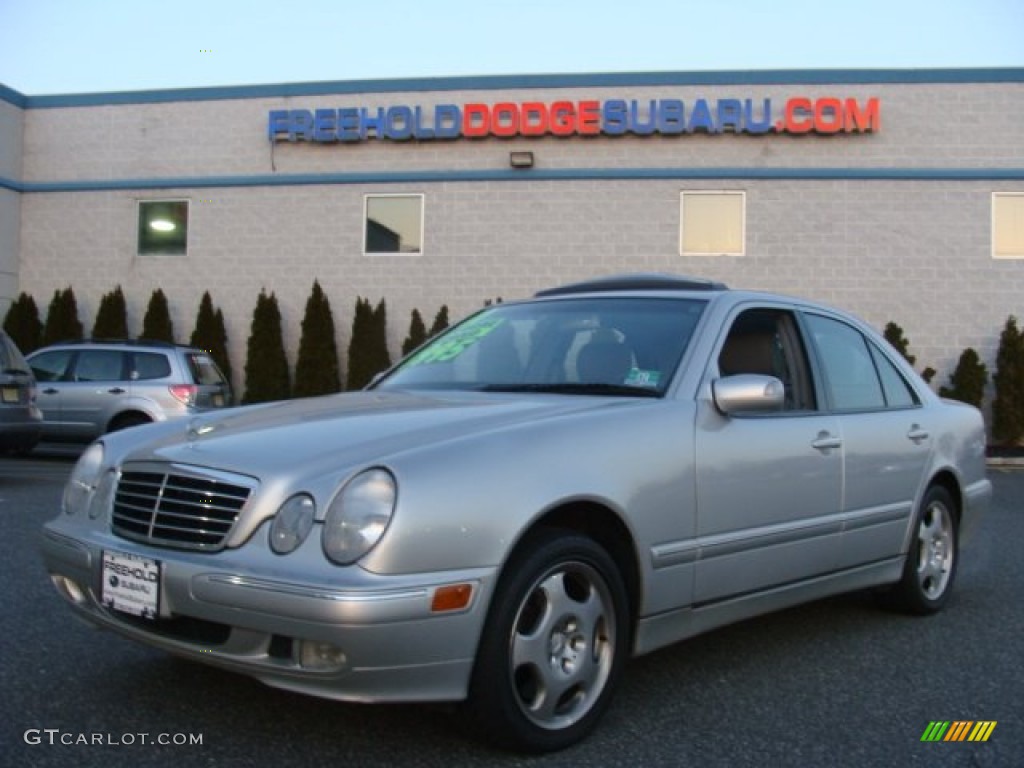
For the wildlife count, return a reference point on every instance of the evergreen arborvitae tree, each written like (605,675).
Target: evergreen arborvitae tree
(62,323)
(23,325)
(894,335)
(211,335)
(381,359)
(360,354)
(266,365)
(317,370)
(1008,406)
(220,349)
(968,380)
(111,317)
(157,325)
(417,333)
(440,321)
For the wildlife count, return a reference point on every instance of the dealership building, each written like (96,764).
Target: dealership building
(896,194)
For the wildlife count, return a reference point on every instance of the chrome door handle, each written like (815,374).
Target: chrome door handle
(826,442)
(917,435)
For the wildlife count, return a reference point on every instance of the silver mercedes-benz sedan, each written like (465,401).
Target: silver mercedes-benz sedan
(517,507)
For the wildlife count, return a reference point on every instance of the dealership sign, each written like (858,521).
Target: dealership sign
(612,117)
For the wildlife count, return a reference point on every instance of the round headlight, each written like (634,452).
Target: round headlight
(359,515)
(292,524)
(80,486)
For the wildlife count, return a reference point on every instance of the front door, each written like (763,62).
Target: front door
(769,485)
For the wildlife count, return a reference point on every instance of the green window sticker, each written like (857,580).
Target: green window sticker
(456,342)
(640,378)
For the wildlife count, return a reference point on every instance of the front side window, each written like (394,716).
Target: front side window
(767,342)
(1008,225)
(393,224)
(51,366)
(712,223)
(163,227)
(600,346)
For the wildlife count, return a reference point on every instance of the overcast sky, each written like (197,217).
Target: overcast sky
(75,46)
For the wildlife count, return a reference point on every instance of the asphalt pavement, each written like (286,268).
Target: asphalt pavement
(834,683)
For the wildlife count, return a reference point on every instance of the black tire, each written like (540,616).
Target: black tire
(126,420)
(930,569)
(553,648)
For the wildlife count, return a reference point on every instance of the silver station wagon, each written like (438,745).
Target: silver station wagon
(510,513)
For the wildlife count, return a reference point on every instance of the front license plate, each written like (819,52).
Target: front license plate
(11,395)
(131,584)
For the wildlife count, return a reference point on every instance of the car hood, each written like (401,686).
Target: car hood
(334,432)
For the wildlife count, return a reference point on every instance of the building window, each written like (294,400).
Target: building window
(394,224)
(1008,225)
(712,223)
(163,227)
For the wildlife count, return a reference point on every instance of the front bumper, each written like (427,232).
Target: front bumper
(294,622)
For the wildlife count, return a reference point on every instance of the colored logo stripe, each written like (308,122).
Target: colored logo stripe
(958,730)
(935,731)
(982,731)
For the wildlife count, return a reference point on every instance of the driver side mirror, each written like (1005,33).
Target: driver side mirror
(748,393)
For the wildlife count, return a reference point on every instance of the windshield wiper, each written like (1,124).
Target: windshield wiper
(574,388)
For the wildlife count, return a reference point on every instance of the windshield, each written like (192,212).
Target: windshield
(577,346)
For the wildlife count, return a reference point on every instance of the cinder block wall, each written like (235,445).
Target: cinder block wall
(916,250)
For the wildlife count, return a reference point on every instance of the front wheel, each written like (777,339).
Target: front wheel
(931,565)
(554,645)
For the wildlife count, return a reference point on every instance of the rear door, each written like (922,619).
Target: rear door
(769,485)
(886,434)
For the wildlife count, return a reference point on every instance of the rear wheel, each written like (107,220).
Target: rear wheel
(554,645)
(930,570)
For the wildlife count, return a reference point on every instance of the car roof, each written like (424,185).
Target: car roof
(121,343)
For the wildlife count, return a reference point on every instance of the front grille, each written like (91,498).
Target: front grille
(176,508)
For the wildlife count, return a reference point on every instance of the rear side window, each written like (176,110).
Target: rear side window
(151,365)
(7,357)
(898,393)
(204,371)
(857,375)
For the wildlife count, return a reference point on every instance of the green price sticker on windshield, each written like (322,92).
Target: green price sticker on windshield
(456,342)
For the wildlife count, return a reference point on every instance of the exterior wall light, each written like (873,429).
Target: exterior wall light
(520,159)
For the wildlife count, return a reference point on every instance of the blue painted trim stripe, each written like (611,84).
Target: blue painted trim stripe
(11,96)
(541,174)
(511,82)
